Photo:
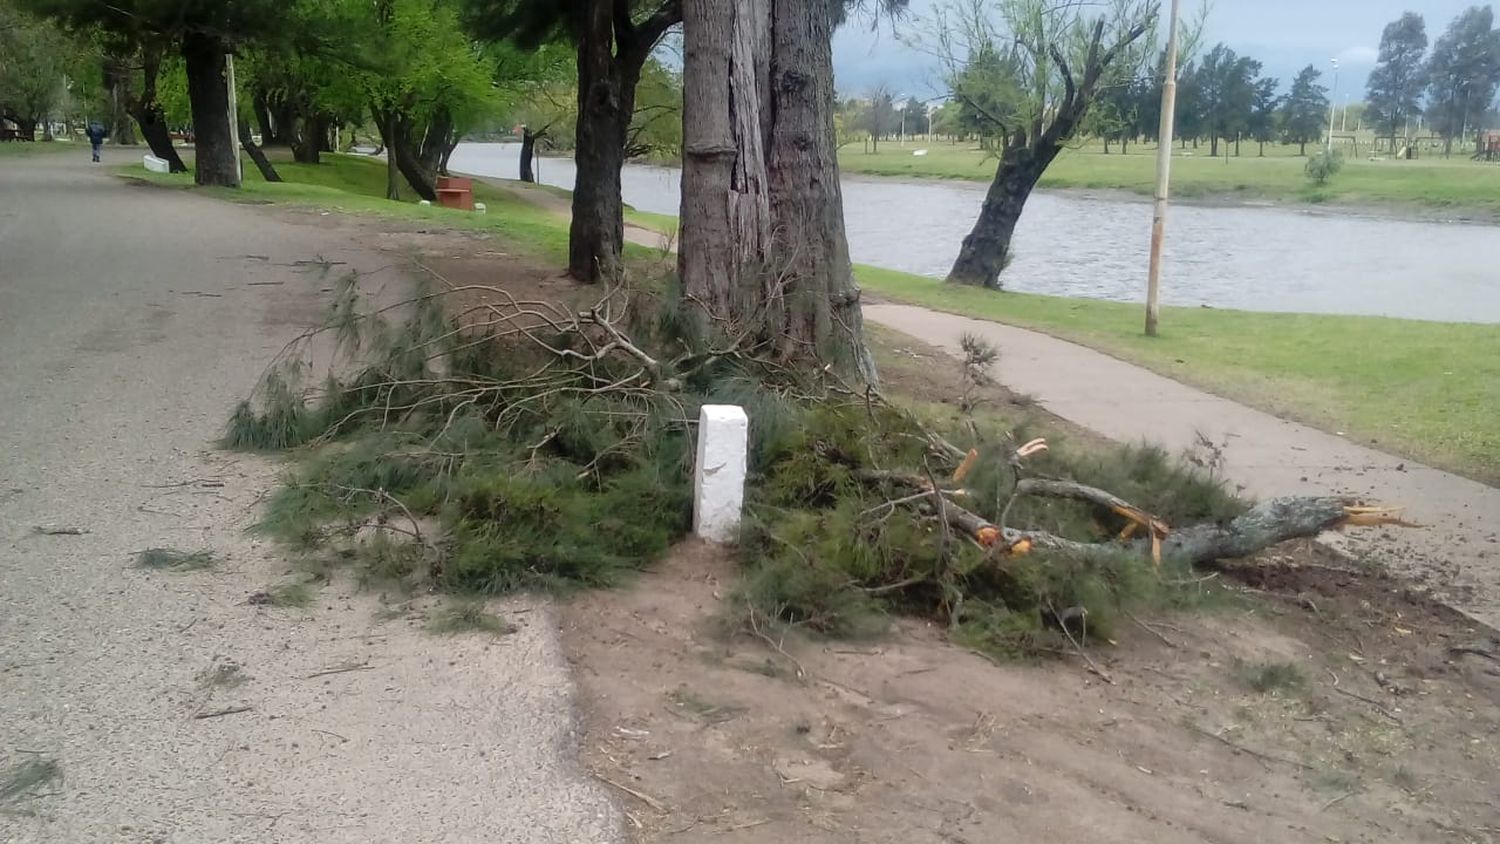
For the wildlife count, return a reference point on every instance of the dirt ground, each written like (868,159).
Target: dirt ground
(1391,736)
(1387,733)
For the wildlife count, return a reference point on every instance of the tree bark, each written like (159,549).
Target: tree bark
(410,160)
(606,103)
(385,123)
(204,60)
(307,137)
(263,164)
(764,253)
(148,114)
(260,105)
(528,153)
(117,82)
(986,250)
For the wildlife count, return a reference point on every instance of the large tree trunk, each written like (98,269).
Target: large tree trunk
(528,153)
(419,172)
(763,244)
(606,103)
(216,160)
(306,136)
(385,122)
(148,114)
(117,79)
(986,250)
(263,164)
(259,103)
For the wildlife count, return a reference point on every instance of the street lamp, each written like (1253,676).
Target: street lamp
(1332,102)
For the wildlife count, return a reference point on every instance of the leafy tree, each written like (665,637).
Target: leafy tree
(1226,91)
(203,33)
(1304,114)
(1463,74)
(879,118)
(1042,67)
(33,59)
(613,40)
(1395,86)
(914,117)
(1265,104)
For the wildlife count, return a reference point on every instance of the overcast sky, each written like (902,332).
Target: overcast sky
(1285,35)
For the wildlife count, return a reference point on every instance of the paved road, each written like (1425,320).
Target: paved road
(130,321)
(1456,553)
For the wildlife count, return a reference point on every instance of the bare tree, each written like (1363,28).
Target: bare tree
(1030,70)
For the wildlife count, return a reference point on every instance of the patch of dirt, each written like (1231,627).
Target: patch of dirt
(1387,735)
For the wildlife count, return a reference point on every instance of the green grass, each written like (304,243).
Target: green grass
(1428,390)
(171,559)
(1272,677)
(20,149)
(1431,183)
(469,617)
(23,778)
(356,184)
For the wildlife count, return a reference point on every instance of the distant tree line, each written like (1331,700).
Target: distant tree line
(1224,100)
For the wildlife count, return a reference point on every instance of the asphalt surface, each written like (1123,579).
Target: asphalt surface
(131,319)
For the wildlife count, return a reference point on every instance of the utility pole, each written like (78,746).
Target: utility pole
(1163,176)
(234,120)
(1333,103)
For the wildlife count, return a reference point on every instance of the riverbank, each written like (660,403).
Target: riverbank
(1424,390)
(1448,188)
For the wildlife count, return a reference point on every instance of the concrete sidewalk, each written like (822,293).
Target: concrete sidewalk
(1456,554)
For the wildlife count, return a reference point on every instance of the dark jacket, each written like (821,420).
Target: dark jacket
(96,134)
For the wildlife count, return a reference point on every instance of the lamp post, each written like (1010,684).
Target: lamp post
(1163,176)
(1332,102)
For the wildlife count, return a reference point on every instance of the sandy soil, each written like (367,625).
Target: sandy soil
(1392,737)
(175,707)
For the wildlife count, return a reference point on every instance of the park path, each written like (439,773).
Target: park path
(1455,552)
(131,319)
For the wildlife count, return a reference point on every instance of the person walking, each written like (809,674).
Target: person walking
(96,135)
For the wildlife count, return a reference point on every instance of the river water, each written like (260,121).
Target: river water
(1074,244)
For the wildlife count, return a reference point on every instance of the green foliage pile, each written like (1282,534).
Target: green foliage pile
(829,552)
(455,459)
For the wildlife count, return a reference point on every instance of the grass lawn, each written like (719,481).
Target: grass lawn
(1429,183)
(17,149)
(356,184)
(1428,390)
(1424,389)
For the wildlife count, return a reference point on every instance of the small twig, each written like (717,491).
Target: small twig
(342,739)
(1337,800)
(219,713)
(59,531)
(186,627)
(1092,666)
(1149,629)
(644,798)
(1379,707)
(362,666)
(1262,757)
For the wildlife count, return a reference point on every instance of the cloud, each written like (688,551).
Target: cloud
(1359,56)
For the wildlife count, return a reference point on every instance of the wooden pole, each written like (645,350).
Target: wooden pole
(1163,176)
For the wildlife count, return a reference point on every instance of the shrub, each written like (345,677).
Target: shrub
(1324,166)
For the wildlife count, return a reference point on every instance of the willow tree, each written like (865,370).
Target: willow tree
(1031,70)
(763,249)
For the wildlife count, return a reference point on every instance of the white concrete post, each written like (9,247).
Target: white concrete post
(719,476)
